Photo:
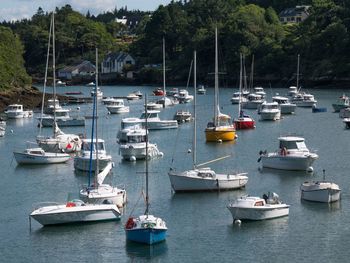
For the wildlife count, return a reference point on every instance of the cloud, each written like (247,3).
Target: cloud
(94,6)
(15,13)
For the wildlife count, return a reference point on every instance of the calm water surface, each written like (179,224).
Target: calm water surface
(200,225)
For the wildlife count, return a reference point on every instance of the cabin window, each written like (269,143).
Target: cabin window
(259,203)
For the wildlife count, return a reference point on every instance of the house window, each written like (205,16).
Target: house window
(298,19)
(292,18)
(128,62)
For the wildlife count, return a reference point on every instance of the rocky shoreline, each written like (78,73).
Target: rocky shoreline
(30,98)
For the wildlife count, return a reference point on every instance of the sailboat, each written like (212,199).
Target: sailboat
(221,128)
(204,179)
(97,191)
(165,101)
(243,121)
(59,142)
(146,228)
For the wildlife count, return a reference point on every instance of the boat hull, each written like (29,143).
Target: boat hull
(146,235)
(288,109)
(83,164)
(60,214)
(216,134)
(244,125)
(254,105)
(270,116)
(117,110)
(338,107)
(321,195)
(24,158)
(182,183)
(64,122)
(139,152)
(288,162)
(263,213)
(104,194)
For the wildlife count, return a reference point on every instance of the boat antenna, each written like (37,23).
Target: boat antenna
(146,127)
(194,152)
(45,79)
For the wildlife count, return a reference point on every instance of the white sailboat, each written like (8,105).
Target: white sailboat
(146,228)
(59,141)
(96,191)
(39,156)
(204,179)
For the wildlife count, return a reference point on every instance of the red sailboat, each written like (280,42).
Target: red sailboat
(243,121)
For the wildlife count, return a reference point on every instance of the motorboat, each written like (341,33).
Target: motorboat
(117,107)
(133,96)
(342,103)
(109,100)
(154,122)
(174,92)
(52,105)
(243,121)
(201,90)
(220,129)
(237,96)
(154,106)
(98,92)
(253,101)
(91,84)
(159,92)
(206,179)
(82,161)
(285,106)
(39,156)
(304,100)
(347,123)
(320,191)
(292,155)
(62,118)
(15,111)
(184,96)
(292,91)
(316,109)
(258,208)
(183,116)
(138,94)
(61,83)
(166,102)
(260,91)
(146,228)
(74,211)
(133,144)
(270,111)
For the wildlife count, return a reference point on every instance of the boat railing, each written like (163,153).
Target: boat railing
(43,204)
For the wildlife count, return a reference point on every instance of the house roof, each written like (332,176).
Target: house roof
(119,57)
(294,11)
(86,66)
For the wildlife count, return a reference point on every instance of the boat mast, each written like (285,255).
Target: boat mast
(54,74)
(92,130)
(45,79)
(96,85)
(164,72)
(298,71)
(194,154)
(240,85)
(216,104)
(251,80)
(146,127)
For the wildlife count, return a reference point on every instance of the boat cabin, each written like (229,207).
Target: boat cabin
(292,143)
(14,107)
(254,97)
(206,173)
(152,114)
(136,136)
(269,106)
(86,145)
(280,100)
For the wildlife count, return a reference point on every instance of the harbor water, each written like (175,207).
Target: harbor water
(200,227)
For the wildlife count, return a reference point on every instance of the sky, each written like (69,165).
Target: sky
(19,9)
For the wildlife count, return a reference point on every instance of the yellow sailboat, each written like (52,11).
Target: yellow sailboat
(221,128)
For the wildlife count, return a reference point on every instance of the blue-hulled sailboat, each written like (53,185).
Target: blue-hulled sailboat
(146,228)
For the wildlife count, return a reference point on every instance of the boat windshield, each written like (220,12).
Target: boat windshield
(86,146)
(136,139)
(293,145)
(149,115)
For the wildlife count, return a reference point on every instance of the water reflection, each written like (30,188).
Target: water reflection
(136,251)
(284,173)
(321,207)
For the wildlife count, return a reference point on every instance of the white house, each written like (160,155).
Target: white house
(86,68)
(294,15)
(115,62)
